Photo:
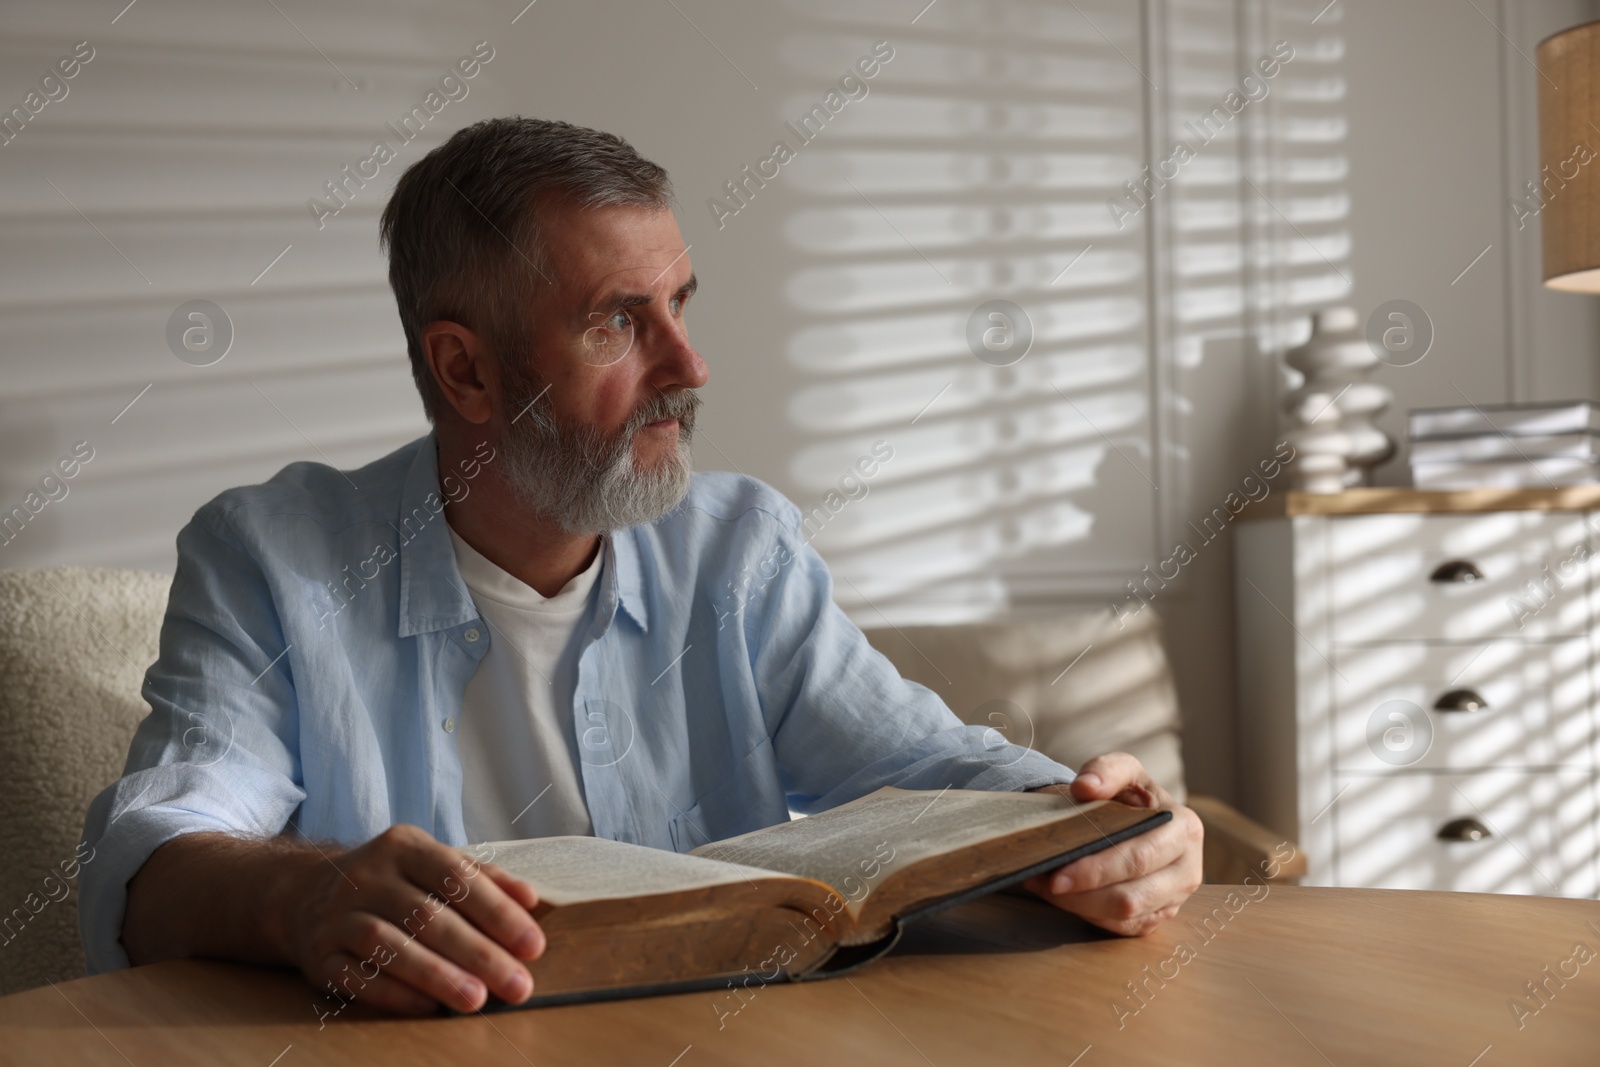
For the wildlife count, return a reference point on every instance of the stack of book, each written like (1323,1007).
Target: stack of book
(1506,446)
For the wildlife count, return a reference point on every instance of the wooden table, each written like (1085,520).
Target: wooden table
(1297,976)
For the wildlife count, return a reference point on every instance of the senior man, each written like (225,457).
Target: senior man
(535,620)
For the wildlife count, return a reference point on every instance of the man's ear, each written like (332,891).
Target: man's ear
(463,369)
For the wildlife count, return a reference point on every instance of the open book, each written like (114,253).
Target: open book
(809,898)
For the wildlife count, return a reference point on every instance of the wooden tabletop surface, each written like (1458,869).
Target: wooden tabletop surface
(1295,976)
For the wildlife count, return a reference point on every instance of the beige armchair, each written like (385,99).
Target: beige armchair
(1074,684)
(74,645)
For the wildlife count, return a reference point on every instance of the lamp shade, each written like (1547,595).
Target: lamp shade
(1566,195)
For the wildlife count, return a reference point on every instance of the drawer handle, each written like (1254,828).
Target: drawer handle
(1464,830)
(1456,571)
(1461,700)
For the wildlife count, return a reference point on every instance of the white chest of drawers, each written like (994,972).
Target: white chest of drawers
(1418,686)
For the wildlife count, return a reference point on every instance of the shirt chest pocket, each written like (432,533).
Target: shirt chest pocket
(751,797)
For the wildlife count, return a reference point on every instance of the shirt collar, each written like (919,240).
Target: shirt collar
(624,548)
(432,594)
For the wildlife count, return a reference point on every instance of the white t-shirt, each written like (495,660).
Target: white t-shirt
(517,740)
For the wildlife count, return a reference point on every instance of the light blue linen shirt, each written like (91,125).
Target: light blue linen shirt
(318,640)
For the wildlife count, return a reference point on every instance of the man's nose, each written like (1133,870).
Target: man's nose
(675,361)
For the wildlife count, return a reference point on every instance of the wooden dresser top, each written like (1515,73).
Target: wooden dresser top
(1380,500)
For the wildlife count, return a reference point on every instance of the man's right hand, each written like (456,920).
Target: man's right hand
(407,923)
(403,922)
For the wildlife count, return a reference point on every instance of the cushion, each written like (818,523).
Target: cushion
(75,643)
(1072,684)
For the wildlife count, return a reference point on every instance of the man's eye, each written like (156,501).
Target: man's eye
(677,304)
(618,321)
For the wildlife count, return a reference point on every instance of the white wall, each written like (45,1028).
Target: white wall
(1443,133)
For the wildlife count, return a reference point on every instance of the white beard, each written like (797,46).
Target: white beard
(588,485)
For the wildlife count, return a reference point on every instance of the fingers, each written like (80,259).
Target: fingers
(441,927)
(1120,777)
(410,961)
(449,935)
(345,979)
(1136,885)
(1133,907)
(1133,858)
(1104,777)
(485,901)
(1178,841)
(519,891)
(419,940)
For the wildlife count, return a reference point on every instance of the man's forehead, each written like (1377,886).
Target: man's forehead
(647,273)
(605,248)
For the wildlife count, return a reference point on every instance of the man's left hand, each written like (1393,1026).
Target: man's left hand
(1135,886)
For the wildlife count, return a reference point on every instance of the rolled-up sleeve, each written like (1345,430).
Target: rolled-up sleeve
(843,720)
(218,751)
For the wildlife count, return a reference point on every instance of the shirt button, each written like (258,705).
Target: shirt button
(472,634)
(449,726)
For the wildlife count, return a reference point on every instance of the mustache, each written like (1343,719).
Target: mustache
(680,404)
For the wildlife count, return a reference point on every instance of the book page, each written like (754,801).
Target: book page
(857,845)
(569,870)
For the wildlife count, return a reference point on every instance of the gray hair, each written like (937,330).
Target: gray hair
(461,231)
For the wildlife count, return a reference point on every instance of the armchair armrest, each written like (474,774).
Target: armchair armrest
(1236,846)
